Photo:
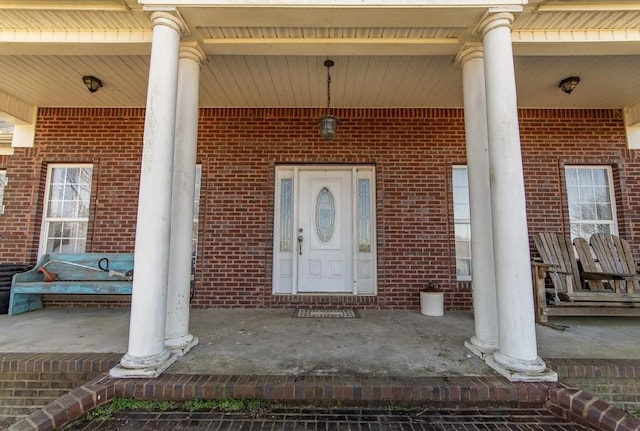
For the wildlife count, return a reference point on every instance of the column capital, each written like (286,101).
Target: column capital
(491,21)
(469,51)
(171,19)
(193,51)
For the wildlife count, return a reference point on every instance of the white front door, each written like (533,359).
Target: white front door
(324,232)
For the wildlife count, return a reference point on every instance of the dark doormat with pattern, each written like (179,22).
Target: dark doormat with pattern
(348,313)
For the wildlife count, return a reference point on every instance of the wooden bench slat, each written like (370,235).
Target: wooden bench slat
(76,287)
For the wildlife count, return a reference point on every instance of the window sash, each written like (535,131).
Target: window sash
(462,222)
(590,200)
(65,218)
(3,184)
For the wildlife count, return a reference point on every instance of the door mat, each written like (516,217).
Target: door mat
(348,313)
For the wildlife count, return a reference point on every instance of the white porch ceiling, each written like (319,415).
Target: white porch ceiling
(269,55)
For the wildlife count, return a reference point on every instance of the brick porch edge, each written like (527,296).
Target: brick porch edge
(574,404)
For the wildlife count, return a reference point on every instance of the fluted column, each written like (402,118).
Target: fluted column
(146,355)
(485,339)
(517,358)
(177,336)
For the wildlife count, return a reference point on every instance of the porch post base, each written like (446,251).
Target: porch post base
(480,348)
(522,374)
(150,371)
(181,346)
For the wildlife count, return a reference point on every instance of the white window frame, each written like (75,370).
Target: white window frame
(613,222)
(3,183)
(457,220)
(46,220)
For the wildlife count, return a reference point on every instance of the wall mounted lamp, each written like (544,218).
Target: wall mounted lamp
(569,84)
(328,123)
(93,84)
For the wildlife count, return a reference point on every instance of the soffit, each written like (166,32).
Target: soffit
(272,56)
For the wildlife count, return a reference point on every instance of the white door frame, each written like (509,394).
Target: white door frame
(286,210)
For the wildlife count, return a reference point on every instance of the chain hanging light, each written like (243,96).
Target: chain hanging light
(328,123)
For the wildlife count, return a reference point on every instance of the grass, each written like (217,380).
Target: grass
(106,411)
(635,414)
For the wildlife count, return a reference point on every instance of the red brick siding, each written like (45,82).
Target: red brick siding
(413,151)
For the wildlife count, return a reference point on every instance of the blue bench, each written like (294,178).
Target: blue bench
(71,274)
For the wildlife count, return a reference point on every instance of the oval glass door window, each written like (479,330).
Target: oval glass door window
(325,215)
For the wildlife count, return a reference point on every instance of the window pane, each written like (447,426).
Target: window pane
(325,214)
(584,177)
(602,194)
(364,216)
(586,194)
(286,213)
(599,177)
(461,212)
(588,212)
(604,212)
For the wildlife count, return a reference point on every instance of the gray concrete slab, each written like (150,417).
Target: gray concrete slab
(383,343)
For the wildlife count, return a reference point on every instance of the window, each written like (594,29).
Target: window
(462,223)
(196,222)
(590,200)
(66,212)
(3,184)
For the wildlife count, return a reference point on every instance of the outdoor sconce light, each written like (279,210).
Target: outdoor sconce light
(569,84)
(328,123)
(93,84)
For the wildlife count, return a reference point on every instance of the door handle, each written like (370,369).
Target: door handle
(300,239)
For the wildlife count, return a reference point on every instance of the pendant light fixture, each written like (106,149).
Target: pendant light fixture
(328,123)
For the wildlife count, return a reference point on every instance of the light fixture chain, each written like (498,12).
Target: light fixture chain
(328,90)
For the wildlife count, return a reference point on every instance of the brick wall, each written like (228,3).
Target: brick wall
(413,151)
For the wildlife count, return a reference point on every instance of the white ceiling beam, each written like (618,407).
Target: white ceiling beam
(632,125)
(76,36)
(334,46)
(589,6)
(337,3)
(16,111)
(75,42)
(576,42)
(102,5)
(632,115)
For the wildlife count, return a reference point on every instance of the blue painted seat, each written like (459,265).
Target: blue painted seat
(71,274)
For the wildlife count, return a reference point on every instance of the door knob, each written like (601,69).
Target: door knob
(300,239)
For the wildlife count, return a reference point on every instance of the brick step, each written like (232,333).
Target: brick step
(9,415)
(28,382)
(9,376)
(37,384)
(29,399)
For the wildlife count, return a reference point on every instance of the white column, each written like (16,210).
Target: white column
(177,337)
(147,355)
(517,358)
(485,339)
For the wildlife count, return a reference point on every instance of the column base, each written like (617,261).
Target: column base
(146,367)
(181,346)
(521,371)
(480,348)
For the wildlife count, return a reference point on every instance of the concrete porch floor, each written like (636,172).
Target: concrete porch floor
(273,342)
